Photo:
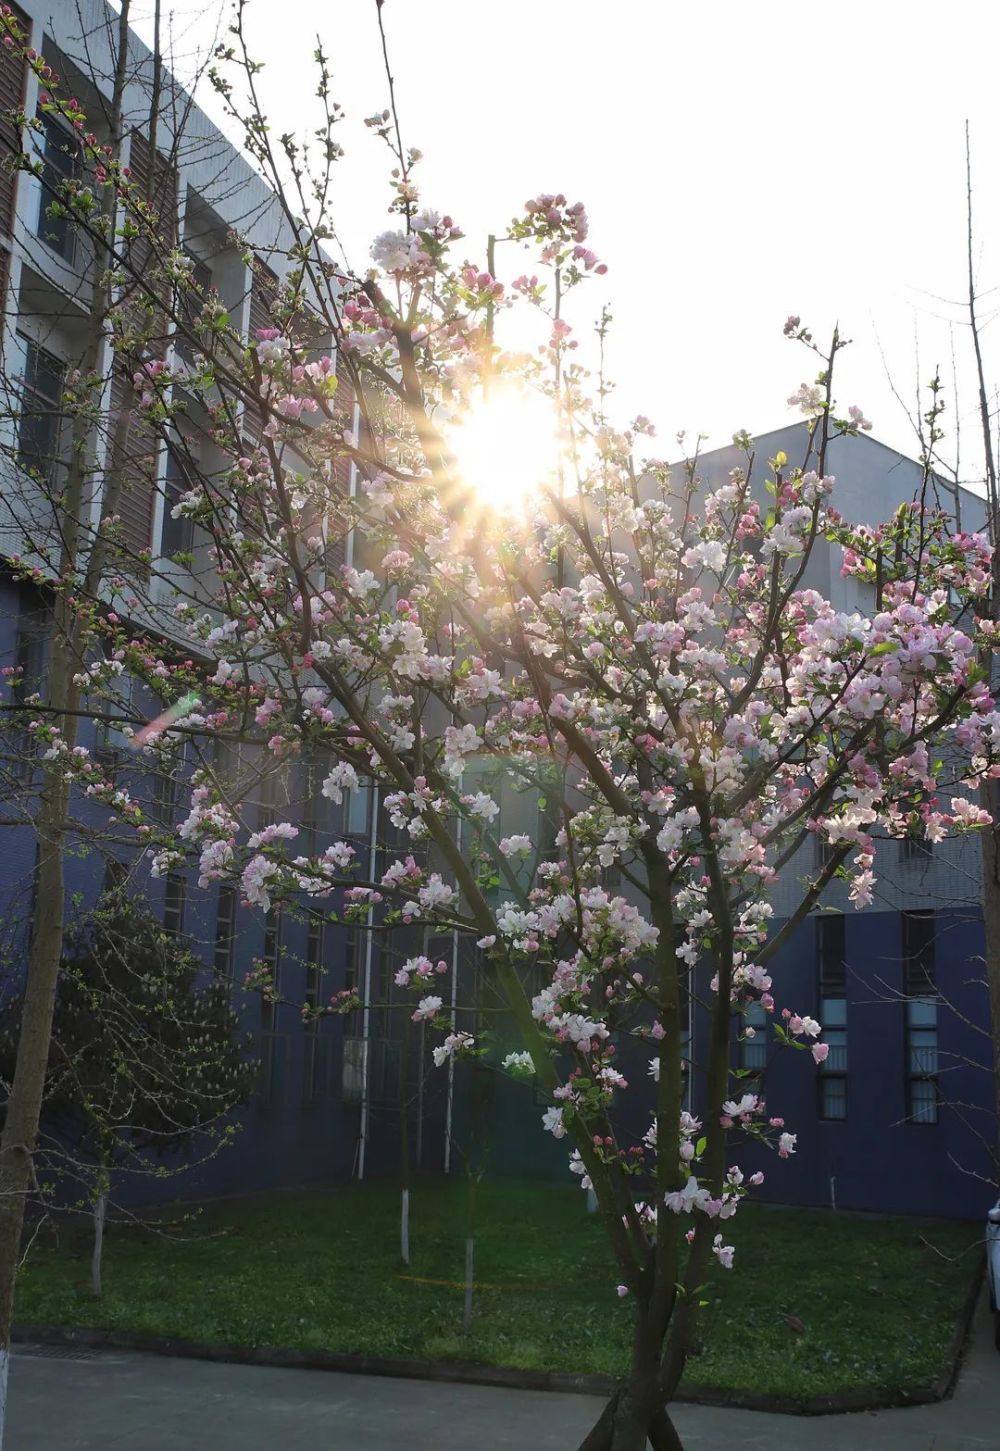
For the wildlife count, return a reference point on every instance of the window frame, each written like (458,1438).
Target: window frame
(174,902)
(51,412)
(224,953)
(60,234)
(832,1091)
(176,482)
(920,1007)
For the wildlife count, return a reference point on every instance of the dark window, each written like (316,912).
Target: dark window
(684,975)
(311,777)
(191,300)
(314,959)
(271,1074)
(31,659)
(115,875)
(830,952)
(271,955)
(914,848)
(825,851)
(40,424)
(352,975)
(272,1045)
(60,164)
(357,811)
(173,903)
(164,801)
(753,1045)
(313,1048)
(352,1083)
(270,794)
(111,738)
(921,1007)
(225,930)
(177,535)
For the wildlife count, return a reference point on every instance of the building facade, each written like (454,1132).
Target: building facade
(327,1103)
(897,1119)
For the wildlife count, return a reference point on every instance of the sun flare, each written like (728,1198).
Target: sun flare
(506,446)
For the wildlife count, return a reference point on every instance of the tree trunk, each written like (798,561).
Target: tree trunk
(25,1101)
(618,1428)
(470,1264)
(637,1413)
(404,1227)
(100,1215)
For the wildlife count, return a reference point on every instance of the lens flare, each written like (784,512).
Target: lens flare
(506,446)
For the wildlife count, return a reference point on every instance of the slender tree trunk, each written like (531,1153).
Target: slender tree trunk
(100,1215)
(24,1103)
(470,1270)
(472,1190)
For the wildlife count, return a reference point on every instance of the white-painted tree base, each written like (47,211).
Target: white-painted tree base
(100,1213)
(4,1365)
(470,1258)
(404,1228)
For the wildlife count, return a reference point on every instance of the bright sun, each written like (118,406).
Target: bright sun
(506,446)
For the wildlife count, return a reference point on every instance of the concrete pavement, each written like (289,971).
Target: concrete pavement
(109,1401)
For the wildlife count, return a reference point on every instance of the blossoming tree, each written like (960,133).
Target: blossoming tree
(639,657)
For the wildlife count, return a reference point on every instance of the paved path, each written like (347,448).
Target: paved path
(125,1402)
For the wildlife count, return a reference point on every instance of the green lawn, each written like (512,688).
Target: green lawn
(321,1270)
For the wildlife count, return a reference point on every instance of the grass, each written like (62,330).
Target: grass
(877,1298)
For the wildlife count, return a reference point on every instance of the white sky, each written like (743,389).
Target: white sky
(738,162)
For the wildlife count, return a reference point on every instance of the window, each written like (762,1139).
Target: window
(177,535)
(164,803)
(825,851)
(357,810)
(685,1016)
(313,1059)
(30,659)
(225,931)
(40,423)
(190,302)
(914,848)
(271,1046)
(753,1049)
(111,738)
(173,903)
(314,960)
(830,952)
(271,956)
(549,825)
(311,778)
(921,1017)
(352,1081)
(115,875)
(381,1008)
(685,974)
(271,794)
(352,975)
(60,165)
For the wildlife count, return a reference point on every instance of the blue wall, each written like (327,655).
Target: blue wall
(876,1160)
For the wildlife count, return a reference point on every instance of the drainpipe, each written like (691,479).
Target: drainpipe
(366,1011)
(352,487)
(450,1104)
